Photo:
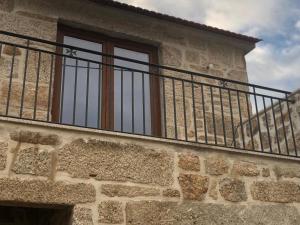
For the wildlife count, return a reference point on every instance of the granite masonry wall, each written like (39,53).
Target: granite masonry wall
(179,47)
(122,179)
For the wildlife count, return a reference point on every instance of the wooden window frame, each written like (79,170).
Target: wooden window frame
(107,100)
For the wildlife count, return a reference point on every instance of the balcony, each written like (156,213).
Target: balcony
(63,84)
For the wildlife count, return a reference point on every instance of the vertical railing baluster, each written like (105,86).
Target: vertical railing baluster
(275,124)
(75,92)
(241,119)
(250,122)
(87,94)
(194,108)
(132,101)
(62,90)
(24,79)
(174,108)
(37,85)
(184,110)
(144,109)
(267,125)
(165,107)
(204,116)
(99,116)
(231,117)
(291,124)
(283,126)
(213,114)
(10,80)
(122,100)
(257,117)
(50,88)
(223,120)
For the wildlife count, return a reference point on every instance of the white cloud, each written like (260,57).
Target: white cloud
(297,24)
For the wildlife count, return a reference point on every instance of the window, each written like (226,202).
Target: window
(103,92)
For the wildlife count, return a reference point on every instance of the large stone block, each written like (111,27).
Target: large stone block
(35,137)
(3,155)
(233,190)
(194,187)
(287,172)
(245,169)
(110,212)
(118,190)
(32,161)
(170,213)
(116,162)
(216,166)
(281,191)
(189,162)
(82,216)
(45,192)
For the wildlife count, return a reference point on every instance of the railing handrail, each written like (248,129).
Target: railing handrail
(145,72)
(26,37)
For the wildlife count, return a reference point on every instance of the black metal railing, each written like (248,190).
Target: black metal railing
(58,83)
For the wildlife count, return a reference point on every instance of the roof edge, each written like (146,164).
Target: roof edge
(174,19)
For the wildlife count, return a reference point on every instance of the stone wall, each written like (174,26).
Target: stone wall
(277,135)
(123,179)
(180,47)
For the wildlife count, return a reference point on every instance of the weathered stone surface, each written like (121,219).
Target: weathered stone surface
(233,190)
(113,190)
(171,193)
(281,191)
(216,166)
(116,162)
(194,187)
(110,212)
(32,161)
(82,216)
(213,192)
(35,137)
(41,191)
(189,162)
(265,172)
(287,172)
(245,169)
(171,56)
(170,213)
(192,56)
(10,50)
(3,155)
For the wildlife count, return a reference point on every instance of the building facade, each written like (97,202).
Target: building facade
(112,114)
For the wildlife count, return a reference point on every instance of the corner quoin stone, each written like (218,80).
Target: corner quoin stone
(116,162)
(45,192)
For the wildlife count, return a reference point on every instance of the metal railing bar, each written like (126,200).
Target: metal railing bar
(292,129)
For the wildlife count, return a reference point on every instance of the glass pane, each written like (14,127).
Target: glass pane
(81,85)
(136,103)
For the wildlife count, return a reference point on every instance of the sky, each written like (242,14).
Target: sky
(275,62)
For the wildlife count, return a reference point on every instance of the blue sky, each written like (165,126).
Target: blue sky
(276,60)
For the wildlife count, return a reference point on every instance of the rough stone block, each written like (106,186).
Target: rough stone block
(233,190)
(116,162)
(170,213)
(82,216)
(171,193)
(216,166)
(287,172)
(35,137)
(265,172)
(281,191)
(32,161)
(118,190)
(245,169)
(45,192)
(194,187)
(171,56)
(3,155)
(189,162)
(110,212)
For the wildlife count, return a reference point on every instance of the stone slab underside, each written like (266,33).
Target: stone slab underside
(169,213)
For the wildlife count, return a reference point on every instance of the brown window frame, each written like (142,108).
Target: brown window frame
(108,44)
